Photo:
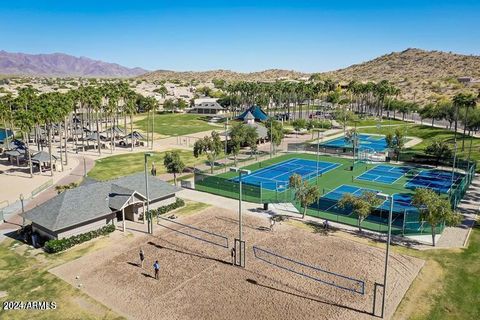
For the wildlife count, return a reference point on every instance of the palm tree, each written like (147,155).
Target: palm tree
(24,120)
(48,116)
(6,114)
(467,101)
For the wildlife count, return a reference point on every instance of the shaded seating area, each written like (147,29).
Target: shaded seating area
(42,160)
(134,136)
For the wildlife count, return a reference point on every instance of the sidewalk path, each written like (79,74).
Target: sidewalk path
(76,175)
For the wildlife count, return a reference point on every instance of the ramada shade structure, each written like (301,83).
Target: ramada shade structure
(43,157)
(135,134)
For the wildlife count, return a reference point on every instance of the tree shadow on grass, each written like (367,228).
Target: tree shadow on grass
(254,282)
(188,253)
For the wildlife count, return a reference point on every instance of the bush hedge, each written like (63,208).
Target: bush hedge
(162,210)
(54,246)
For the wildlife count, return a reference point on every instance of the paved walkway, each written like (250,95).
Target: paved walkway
(75,175)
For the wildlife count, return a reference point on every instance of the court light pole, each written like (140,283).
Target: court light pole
(318,150)
(240,216)
(226,141)
(150,218)
(389,236)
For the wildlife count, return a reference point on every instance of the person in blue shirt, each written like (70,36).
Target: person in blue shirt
(156,268)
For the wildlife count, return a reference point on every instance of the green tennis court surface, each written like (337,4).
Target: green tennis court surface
(334,173)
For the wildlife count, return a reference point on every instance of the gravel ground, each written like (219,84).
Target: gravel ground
(197,280)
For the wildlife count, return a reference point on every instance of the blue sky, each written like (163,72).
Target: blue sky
(238,35)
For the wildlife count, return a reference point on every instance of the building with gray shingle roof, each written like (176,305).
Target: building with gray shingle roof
(95,204)
(208,107)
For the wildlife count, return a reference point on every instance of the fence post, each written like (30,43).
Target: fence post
(261,193)
(404,221)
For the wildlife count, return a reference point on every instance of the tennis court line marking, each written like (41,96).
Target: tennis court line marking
(379,176)
(331,166)
(428,186)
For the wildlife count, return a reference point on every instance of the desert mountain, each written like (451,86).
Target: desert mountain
(421,75)
(227,75)
(61,65)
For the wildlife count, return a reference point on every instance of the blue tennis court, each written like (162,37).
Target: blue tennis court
(329,201)
(384,174)
(366,141)
(401,202)
(438,180)
(276,176)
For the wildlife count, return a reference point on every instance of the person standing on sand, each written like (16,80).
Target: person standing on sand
(142,257)
(156,268)
(272,223)
(232,253)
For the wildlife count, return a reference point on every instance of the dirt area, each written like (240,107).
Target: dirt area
(197,280)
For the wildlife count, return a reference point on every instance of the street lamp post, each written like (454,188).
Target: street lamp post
(150,218)
(389,236)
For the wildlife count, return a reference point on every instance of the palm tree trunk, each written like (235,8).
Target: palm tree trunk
(29,156)
(464,128)
(98,135)
(49,134)
(148,126)
(60,144)
(131,131)
(153,128)
(66,139)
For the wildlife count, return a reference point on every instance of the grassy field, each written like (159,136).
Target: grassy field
(326,183)
(447,287)
(176,124)
(427,133)
(125,164)
(374,122)
(24,276)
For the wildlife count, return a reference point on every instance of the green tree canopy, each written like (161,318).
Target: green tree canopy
(209,145)
(440,149)
(361,206)
(275,132)
(304,193)
(434,209)
(174,164)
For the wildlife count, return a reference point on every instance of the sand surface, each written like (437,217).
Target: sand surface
(197,280)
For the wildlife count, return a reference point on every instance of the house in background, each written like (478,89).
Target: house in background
(95,204)
(208,106)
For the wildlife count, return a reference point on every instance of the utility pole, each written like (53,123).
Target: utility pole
(150,218)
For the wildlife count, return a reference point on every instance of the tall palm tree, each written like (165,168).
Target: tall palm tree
(6,114)
(25,121)
(48,104)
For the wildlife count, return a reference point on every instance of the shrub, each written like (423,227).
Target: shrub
(162,210)
(54,246)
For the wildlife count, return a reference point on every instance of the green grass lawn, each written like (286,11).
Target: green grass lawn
(428,133)
(373,122)
(24,276)
(177,124)
(130,163)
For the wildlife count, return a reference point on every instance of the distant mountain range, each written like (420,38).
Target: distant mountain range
(228,75)
(421,75)
(61,65)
